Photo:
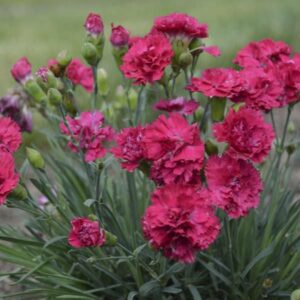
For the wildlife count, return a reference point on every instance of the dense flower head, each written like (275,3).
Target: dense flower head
(94,24)
(234,183)
(13,106)
(129,147)
(180,105)
(175,148)
(147,59)
(218,82)
(8,178)
(21,70)
(262,53)
(10,135)
(88,134)
(247,134)
(180,26)
(261,88)
(119,36)
(86,233)
(80,74)
(180,222)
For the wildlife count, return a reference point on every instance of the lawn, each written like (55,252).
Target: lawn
(39,29)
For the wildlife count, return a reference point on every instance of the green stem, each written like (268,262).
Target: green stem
(274,127)
(194,63)
(202,123)
(187,80)
(95,93)
(173,84)
(139,106)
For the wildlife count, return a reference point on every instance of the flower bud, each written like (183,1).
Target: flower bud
(54,96)
(185,59)
(21,70)
(295,295)
(211,147)
(217,109)
(195,47)
(121,95)
(35,159)
(94,25)
(35,91)
(45,78)
(89,52)
(199,114)
(119,36)
(64,58)
(290,149)
(92,217)
(19,193)
(291,127)
(118,54)
(103,86)
(110,239)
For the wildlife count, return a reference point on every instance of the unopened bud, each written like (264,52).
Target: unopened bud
(103,86)
(185,59)
(19,193)
(92,217)
(195,47)
(291,127)
(110,239)
(295,295)
(211,147)
(290,149)
(64,58)
(121,95)
(199,114)
(54,96)
(89,52)
(35,91)
(35,158)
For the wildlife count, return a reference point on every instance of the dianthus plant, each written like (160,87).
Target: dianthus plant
(173,185)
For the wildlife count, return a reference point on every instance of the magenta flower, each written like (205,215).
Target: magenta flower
(119,36)
(86,233)
(180,105)
(180,222)
(235,185)
(88,134)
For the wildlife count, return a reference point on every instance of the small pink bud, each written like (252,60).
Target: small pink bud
(119,36)
(93,24)
(21,70)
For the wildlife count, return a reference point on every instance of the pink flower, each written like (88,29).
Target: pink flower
(42,73)
(80,74)
(261,88)
(129,147)
(180,26)
(119,36)
(247,134)
(10,135)
(86,233)
(175,148)
(235,184)
(181,105)
(8,178)
(218,82)
(52,62)
(21,70)
(42,201)
(147,59)
(88,134)
(94,24)
(180,222)
(257,54)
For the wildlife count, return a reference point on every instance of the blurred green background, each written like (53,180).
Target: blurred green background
(39,29)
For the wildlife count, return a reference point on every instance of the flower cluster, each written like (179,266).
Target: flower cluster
(87,134)
(269,78)
(10,140)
